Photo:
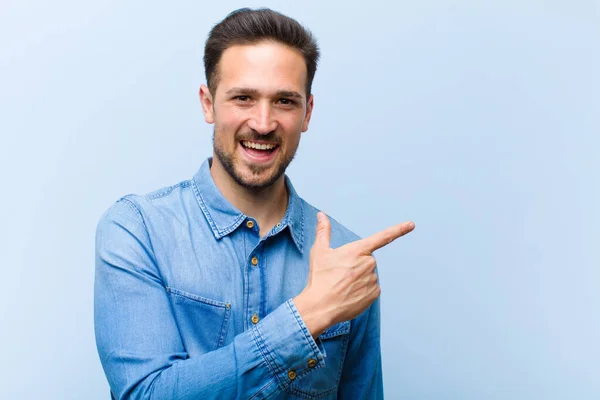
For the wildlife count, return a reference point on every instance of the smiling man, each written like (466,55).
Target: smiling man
(229,285)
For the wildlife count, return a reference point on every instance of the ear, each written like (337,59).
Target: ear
(309,108)
(207,104)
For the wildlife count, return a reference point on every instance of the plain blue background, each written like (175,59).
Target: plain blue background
(480,121)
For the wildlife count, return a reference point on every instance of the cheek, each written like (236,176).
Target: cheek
(229,120)
(292,123)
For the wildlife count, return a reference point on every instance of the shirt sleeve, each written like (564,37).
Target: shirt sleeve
(362,374)
(139,344)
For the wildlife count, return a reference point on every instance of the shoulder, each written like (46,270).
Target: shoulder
(340,234)
(166,201)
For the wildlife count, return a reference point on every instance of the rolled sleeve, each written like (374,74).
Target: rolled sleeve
(287,345)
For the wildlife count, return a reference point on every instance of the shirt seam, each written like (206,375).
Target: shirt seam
(138,213)
(267,356)
(219,233)
(307,336)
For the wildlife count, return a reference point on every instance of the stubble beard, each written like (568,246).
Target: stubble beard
(228,161)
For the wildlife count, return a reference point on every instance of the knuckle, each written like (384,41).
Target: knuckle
(371,262)
(356,251)
(389,238)
(377,291)
(351,273)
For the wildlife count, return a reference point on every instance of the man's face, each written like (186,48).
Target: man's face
(259,110)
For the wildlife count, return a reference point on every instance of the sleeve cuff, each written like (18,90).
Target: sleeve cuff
(287,346)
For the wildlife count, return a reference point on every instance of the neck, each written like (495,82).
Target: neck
(266,205)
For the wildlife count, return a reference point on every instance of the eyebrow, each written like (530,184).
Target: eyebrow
(288,93)
(250,91)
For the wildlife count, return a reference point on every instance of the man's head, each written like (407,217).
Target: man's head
(259,69)
(247,27)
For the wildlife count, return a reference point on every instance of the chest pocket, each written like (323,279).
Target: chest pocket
(324,382)
(202,322)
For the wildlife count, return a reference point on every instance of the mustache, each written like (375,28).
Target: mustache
(270,137)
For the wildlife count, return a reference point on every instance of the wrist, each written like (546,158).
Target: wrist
(314,318)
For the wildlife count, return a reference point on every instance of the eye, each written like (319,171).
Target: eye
(287,102)
(243,98)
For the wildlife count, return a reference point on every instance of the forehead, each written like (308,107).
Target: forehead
(265,66)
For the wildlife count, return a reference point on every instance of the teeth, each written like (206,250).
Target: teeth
(258,146)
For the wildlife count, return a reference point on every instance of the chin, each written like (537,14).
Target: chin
(250,180)
(251,176)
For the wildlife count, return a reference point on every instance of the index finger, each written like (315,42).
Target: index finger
(385,237)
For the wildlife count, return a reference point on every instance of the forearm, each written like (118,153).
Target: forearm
(234,371)
(255,365)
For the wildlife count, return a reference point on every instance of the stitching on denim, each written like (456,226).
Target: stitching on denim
(342,329)
(203,207)
(219,233)
(296,389)
(304,330)
(233,226)
(259,342)
(346,339)
(167,190)
(157,195)
(196,298)
(263,389)
(246,272)
(208,302)
(134,208)
(310,396)
(264,295)
(298,231)
(270,352)
(224,325)
(301,239)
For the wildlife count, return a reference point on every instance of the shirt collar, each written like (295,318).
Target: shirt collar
(224,218)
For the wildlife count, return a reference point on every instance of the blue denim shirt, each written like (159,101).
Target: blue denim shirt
(190,303)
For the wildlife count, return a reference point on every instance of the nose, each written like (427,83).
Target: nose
(262,120)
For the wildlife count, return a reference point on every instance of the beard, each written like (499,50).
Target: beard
(229,161)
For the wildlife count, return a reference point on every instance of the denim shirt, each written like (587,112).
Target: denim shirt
(191,303)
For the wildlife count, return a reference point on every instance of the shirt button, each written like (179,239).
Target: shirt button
(312,363)
(292,375)
(250,224)
(254,261)
(279,224)
(255,319)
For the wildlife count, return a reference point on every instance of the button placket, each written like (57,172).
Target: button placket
(254,286)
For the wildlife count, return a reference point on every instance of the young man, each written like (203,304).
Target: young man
(225,286)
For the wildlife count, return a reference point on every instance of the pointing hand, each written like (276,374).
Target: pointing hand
(342,282)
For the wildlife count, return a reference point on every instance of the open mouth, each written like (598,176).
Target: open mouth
(264,147)
(259,151)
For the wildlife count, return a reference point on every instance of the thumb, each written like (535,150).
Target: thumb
(323,231)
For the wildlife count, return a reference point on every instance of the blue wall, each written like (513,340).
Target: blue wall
(480,121)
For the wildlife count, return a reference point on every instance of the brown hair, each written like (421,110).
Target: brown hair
(247,26)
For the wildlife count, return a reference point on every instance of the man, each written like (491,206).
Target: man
(225,286)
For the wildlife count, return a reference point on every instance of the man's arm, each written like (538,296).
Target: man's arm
(343,285)
(362,374)
(140,346)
